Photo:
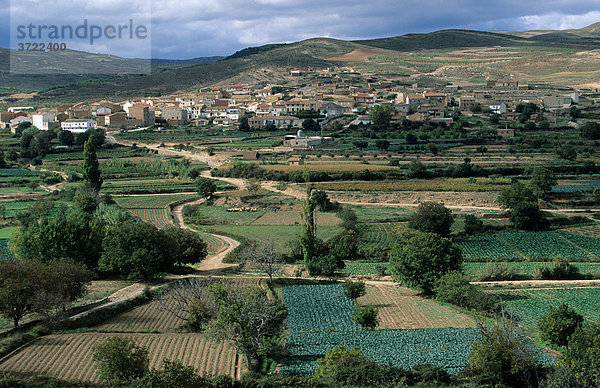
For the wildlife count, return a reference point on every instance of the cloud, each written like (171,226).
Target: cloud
(190,28)
(555,21)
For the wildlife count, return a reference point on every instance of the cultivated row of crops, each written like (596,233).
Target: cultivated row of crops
(531,245)
(69,356)
(377,235)
(320,319)
(449,348)
(529,305)
(19,172)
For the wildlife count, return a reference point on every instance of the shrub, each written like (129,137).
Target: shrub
(366,316)
(473,225)
(559,324)
(495,272)
(455,288)
(560,269)
(354,290)
(119,360)
(432,217)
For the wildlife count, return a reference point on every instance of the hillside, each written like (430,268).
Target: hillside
(461,56)
(66,67)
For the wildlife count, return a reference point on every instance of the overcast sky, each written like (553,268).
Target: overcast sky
(192,28)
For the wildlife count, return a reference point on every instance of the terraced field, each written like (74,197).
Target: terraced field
(378,235)
(69,356)
(294,218)
(531,245)
(154,209)
(529,267)
(402,308)
(529,305)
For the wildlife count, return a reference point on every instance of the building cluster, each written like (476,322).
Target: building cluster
(283,107)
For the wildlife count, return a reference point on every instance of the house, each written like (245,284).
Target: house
(116,120)
(175,115)
(77,125)
(498,107)
(14,123)
(142,113)
(332,110)
(42,121)
(278,121)
(5,118)
(557,102)
(296,161)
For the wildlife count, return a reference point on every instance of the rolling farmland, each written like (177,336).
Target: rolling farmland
(69,356)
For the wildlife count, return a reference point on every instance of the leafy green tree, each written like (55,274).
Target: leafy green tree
(543,179)
(325,264)
(361,144)
(416,169)
(188,246)
(581,358)
(66,138)
(344,247)
(418,259)
(455,287)
(253,185)
(590,130)
(86,199)
(432,217)
(19,285)
(322,200)
(91,167)
(382,144)
(206,187)
(575,112)
(310,125)
(354,290)
(244,126)
(516,194)
(174,374)
(473,224)
(559,324)
(248,318)
(527,216)
(366,316)
(503,357)
(136,250)
(381,115)
(350,221)
(120,360)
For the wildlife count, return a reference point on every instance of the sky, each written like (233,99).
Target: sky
(182,29)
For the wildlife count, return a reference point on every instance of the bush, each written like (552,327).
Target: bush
(455,288)
(354,290)
(432,217)
(559,324)
(497,272)
(366,316)
(473,225)
(324,264)
(560,269)
(120,360)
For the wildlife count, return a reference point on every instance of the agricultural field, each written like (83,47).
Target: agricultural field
(361,268)
(154,209)
(403,308)
(69,356)
(449,348)
(294,218)
(320,319)
(377,236)
(4,251)
(280,235)
(6,233)
(531,245)
(528,268)
(148,186)
(333,167)
(529,305)
(455,184)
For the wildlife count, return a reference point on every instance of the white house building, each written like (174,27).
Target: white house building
(77,126)
(498,107)
(42,121)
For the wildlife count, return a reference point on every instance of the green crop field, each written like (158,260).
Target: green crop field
(528,268)
(280,235)
(6,233)
(531,245)
(529,305)
(154,208)
(320,319)
(378,236)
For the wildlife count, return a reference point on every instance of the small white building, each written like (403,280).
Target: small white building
(498,107)
(77,126)
(14,123)
(42,121)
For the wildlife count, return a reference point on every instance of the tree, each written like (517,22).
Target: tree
(590,130)
(248,318)
(325,264)
(416,169)
(559,324)
(502,356)
(66,138)
(515,194)
(188,246)
(310,125)
(350,221)
(85,199)
(482,149)
(361,144)
(354,290)
(120,360)
(366,316)
(527,216)
(543,179)
(244,126)
(322,200)
(418,259)
(264,256)
(575,112)
(432,217)
(382,144)
(206,187)
(473,224)
(91,168)
(253,185)
(581,357)
(136,250)
(381,115)
(19,285)
(173,374)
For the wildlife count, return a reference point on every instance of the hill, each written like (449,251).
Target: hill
(563,58)
(67,67)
